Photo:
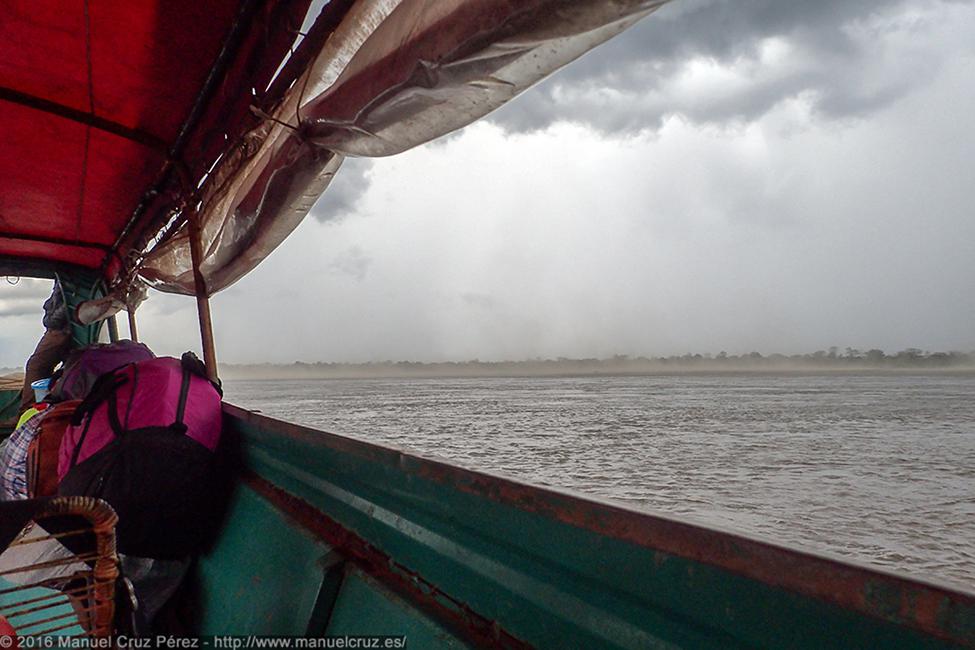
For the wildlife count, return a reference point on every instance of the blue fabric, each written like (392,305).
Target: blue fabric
(13,459)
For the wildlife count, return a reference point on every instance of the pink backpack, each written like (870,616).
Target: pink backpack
(149,397)
(143,440)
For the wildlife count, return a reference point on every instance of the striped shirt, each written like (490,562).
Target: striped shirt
(13,459)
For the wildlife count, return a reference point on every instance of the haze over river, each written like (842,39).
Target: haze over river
(876,468)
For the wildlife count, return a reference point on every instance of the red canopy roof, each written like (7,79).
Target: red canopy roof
(96,94)
(114,112)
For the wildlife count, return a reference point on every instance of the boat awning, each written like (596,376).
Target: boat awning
(123,123)
(101,99)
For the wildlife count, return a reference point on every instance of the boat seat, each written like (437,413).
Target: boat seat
(58,567)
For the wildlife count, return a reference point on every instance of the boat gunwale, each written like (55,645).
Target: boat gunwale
(839,581)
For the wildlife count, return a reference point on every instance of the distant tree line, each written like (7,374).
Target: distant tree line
(825,360)
(831,358)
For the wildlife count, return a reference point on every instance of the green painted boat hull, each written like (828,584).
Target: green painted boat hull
(327,535)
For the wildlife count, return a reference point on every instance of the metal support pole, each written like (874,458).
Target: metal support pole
(202,298)
(133,331)
(112,329)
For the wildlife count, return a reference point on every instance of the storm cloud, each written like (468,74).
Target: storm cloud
(739,176)
(732,61)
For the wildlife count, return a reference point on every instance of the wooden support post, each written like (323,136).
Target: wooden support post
(112,329)
(133,331)
(202,297)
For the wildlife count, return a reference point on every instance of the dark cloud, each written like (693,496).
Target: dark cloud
(832,53)
(344,192)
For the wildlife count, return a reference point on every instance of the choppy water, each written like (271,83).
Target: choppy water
(881,469)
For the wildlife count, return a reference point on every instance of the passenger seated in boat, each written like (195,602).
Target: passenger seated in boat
(51,348)
(82,368)
(143,440)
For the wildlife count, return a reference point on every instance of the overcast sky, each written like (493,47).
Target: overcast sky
(748,175)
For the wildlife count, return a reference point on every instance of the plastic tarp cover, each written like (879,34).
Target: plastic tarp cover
(393,75)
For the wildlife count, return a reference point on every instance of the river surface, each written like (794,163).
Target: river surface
(877,468)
